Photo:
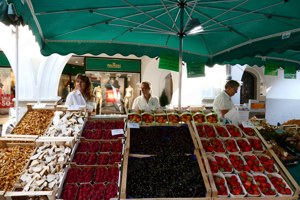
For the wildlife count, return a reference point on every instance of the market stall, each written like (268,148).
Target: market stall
(168,154)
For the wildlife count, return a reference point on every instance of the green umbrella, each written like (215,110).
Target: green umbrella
(289,58)
(230,28)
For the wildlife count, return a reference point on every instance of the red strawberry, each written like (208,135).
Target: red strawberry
(233,130)
(231,145)
(244,145)
(222,132)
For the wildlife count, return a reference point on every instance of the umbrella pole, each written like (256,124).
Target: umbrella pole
(17,75)
(181,34)
(180,71)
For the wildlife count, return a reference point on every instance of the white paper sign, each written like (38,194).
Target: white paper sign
(117,131)
(247,125)
(133,125)
(40,105)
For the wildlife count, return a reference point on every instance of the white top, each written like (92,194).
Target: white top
(75,98)
(222,102)
(140,103)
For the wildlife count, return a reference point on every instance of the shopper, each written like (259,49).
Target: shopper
(223,103)
(145,102)
(82,95)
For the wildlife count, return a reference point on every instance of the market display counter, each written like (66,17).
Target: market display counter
(167,155)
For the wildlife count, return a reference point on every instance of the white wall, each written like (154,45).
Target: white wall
(282,95)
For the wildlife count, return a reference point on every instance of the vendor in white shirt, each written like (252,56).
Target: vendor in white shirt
(146,102)
(223,103)
(82,95)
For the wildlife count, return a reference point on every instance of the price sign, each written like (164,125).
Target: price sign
(133,125)
(6,100)
(117,131)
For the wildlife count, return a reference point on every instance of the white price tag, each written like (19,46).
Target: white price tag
(133,125)
(247,125)
(117,131)
(40,105)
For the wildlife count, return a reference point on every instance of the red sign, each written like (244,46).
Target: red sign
(6,100)
(110,96)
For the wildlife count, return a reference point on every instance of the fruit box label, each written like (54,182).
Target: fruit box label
(133,125)
(117,132)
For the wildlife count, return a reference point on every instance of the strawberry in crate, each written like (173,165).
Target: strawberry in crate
(221,185)
(233,130)
(221,130)
(268,163)
(238,163)
(213,165)
(244,145)
(256,144)
(217,145)
(248,131)
(201,131)
(209,130)
(223,163)
(234,185)
(231,145)
(264,185)
(254,163)
(279,184)
(249,184)
(206,145)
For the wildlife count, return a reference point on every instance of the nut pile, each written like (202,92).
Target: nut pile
(12,162)
(35,122)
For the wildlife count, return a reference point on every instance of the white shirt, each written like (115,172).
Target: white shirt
(140,103)
(76,98)
(222,102)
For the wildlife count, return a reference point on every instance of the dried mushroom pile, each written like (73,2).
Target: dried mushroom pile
(12,163)
(35,122)
(45,171)
(66,124)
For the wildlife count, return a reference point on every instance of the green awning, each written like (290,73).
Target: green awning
(3,60)
(73,69)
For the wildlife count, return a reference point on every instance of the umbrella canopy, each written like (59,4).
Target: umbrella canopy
(287,59)
(231,28)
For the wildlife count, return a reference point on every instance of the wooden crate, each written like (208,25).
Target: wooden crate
(29,109)
(197,153)
(51,195)
(282,171)
(202,170)
(14,141)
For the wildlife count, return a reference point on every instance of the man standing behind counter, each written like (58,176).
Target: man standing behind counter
(223,103)
(145,102)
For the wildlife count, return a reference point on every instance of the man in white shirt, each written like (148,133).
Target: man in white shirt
(223,103)
(145,102)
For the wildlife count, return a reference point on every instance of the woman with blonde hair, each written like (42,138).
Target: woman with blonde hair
(82,95)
